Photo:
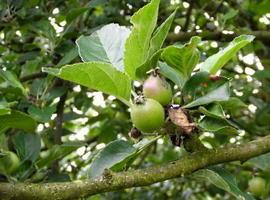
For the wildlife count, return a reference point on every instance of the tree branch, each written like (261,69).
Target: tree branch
(263,36)
(134,178)
(188,15)
(59,127)
(59,119)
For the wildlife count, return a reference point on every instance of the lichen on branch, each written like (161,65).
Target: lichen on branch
(135,178)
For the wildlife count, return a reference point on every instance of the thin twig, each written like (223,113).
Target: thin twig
(188,15)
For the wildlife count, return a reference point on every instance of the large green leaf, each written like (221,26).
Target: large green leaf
(27,146)
(183,58)
(17,120)
(140,146)
(12,80)
(137,45)
(223,180)
(221,93)
(113,153)
(105,45)
(218,60)
(58,152)
(160,35)
(98,76)
(155,50)
(116,155)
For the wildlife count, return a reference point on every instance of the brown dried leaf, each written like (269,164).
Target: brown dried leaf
(179,117)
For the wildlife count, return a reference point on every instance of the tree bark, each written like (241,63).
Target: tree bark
(111,181)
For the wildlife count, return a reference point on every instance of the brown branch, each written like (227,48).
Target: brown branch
(188,15)
(59,127)
(134,178)
(59,119)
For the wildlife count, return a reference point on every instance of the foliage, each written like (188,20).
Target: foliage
(70,71)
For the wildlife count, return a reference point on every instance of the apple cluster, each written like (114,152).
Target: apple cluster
(147,113)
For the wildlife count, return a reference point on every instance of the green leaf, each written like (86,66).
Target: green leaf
(210,176)
(17,120)
(232,104)
(68,57)
(155,50)
(183,58)
(264,74)
(215,62)
(117,154)
(43,27)
(230,179)
(221,93)
(260,8)
(229,15)
(171,74)
(137,45)
(219,126)
(262,162)
(58,152)
(4,108)
(160,35)
(140,146)
(74,13)
(223,180)
(105,45)
(200,84)
(149,64)
(12,80)
(213,110)
(27,146)
(41,114)
(3,141)
(98,76)
(113,153)
(95,3)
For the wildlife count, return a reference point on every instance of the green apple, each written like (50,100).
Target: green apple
(147,116)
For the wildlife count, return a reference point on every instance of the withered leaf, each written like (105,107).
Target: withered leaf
(179,117)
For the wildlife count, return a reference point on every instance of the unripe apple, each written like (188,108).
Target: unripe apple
(257,186)
(9,163)
(156,87)
(147,116)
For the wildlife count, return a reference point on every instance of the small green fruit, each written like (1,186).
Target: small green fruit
(257,186)
(147,116)
(156,87)
(9,163)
